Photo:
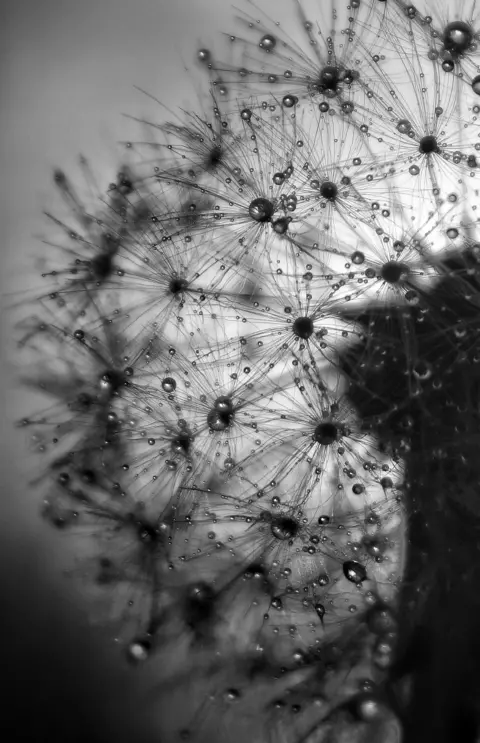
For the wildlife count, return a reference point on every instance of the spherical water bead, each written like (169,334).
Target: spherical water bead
(354,571)
(414,170)
(204,55)
(110,381)
(169,384)
(347,107)
(457,37)
(323,520)
(278,179)
(357,257)
(370,709)
(324,107)
(289,100)
(393,272)
(280,226)
(246,114)
(326,433)
(373,547)
(428,145)
(138,651)
(329,190)
(181,443)
(303,327)
(452,233)
(232,695)
(284,527)
(329,79)
(220,416)
(476,84)
(268,43)
(79,335)
(261,210)
(448,65)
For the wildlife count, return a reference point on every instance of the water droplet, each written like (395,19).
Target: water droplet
(354,571)
(138,651)
(268,42)
(289,101)
(169,384)
(457,37)
(261,210)
(357,257)
(204,55)
(221,415)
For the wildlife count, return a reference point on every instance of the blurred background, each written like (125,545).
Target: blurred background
(67,74)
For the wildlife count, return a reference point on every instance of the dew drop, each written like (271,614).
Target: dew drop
(204,55)
(354,571)
(268,42)
(169,384)
(357,257)
(138,651)
(261,210)
(221,415)
(289,101)
(457,37)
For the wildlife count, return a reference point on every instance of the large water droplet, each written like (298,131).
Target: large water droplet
(354,571)
(457,37)
(261,210)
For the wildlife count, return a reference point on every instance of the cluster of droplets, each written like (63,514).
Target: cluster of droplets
(253,349)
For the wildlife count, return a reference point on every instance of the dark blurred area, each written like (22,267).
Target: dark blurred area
(59,682)
(435,431)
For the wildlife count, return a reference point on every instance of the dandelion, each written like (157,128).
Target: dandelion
(257,358)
